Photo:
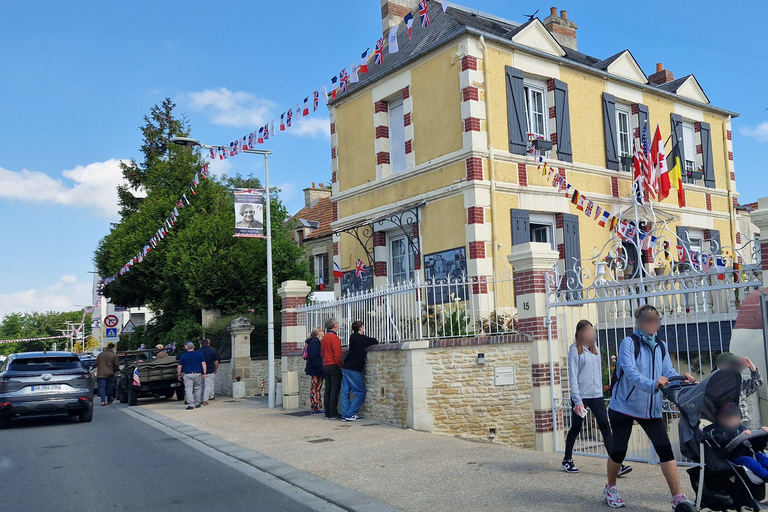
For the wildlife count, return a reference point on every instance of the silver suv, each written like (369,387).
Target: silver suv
(44,383)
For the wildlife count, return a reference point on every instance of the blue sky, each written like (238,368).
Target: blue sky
(77,78)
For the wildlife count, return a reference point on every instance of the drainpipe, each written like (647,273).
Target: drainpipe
(491,160)
(731,209)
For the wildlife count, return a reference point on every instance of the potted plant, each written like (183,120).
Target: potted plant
(538,142)
(631,269)
(695,175)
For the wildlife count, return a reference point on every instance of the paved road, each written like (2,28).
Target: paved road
(118,462)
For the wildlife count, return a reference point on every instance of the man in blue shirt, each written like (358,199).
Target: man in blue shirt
(192,366)
(212,366)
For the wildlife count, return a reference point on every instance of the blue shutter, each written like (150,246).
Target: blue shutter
(677,142)
(706,155)
(521,226)
(563,122)
(516,114)
(571,252)
(609,125)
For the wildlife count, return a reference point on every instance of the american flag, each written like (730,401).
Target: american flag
(647,166)
(423,13)
(136,379)
(359,268)
(344,80)
(378,53)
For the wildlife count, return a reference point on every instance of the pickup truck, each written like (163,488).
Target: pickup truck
(157,379)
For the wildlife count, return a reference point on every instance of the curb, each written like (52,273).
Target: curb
(335,494)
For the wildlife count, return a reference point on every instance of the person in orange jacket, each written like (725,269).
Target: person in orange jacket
(330,350)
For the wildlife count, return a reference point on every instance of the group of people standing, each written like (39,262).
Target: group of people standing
(643,367)
(342,373)
(197,369)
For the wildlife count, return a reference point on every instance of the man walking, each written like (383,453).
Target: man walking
(106,366)
(192,366)
(330,351)
(212,366)
(352,379)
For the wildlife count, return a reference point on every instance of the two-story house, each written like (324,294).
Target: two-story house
(311,228)
(431,162)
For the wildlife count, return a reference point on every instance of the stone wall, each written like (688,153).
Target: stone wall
(464,400)
(223,386)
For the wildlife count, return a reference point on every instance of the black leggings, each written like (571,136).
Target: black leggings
(655,429)
(597,406)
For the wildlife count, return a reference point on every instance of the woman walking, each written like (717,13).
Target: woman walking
(642,369)
(585,376)
(314,369)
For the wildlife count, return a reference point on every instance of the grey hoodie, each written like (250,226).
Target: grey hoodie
(585,375)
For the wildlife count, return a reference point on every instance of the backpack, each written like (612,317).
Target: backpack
(305,355)
(615,377)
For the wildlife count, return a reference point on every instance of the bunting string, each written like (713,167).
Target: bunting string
(22,340)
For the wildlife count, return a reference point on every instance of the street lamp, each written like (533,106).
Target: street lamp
(187,141)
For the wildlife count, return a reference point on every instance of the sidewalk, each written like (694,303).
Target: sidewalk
(416,471)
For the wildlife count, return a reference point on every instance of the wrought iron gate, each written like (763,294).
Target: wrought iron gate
(698,294)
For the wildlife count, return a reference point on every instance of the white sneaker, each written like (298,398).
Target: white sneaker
(353,418)
(612,498)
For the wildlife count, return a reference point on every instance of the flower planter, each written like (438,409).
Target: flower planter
(695,175)
(659,271)
(541,144)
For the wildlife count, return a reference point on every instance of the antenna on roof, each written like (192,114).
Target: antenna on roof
(531,16)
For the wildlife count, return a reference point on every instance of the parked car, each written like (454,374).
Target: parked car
(157,379)
(89,364)
(45,383)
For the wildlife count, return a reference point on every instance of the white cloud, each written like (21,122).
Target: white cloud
(759,132)
(232,108)
(92,186)
(60,296)
(312,127)
(219,167)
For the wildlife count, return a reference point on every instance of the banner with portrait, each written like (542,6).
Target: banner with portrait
(446,272)
(249,213)
(352,283)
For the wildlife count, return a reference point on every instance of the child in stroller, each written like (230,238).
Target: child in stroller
(727,428)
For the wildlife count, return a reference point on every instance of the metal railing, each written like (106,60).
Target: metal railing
(422,309)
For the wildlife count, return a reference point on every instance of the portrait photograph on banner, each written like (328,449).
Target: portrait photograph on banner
(249,213)
(446,271)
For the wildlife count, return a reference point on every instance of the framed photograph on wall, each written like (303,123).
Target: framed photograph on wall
(441,270)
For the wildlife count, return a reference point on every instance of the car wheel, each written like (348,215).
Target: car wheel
(86,415)
(179,393)
(133,396)
(169,393)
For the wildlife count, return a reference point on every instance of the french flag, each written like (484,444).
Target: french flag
(305,112)
(364,61)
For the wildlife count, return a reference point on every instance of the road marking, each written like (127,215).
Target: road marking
(298,495)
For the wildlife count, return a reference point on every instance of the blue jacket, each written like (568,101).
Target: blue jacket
(635,394)
(314,367)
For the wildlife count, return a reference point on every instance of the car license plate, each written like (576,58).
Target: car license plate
(47,387)
(176,385)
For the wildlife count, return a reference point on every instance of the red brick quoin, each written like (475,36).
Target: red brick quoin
(475,215)
(522,175)
(474,168)
(540,374)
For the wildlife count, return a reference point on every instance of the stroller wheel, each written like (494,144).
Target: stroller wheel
(685,506)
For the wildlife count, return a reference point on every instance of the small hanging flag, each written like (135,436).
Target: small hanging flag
(423,13)
(588,208)
(251,136)
(540,160)
(598,212)
(556,181)
(324,90)
(315,100)
(175,212)
(353,78)
(272,128)
(393,39)
(266,131)
(231,149)
(196,179)
(409,23)
(204,171)
(604,218)
(282,122)
(244,144)
(193,190)
(298,111)
(305,112)
(544,171)
(614,221)
(359,268)
(344,80)
(260,138)
(290,117)
(337,270)
(180,204)
(184,196)
(576,197)
(364,61)
(378,53)
(444,4)
(213,154)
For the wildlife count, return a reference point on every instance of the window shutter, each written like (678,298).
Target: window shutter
(563,122)
(609,125)
(516,115)
(682,235)
(706,155)
(714,242)
(642,121)
(521,226)
(329,270)
(312,265)
(571,252)
(677,142)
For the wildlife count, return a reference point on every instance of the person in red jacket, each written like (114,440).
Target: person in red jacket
(330,350)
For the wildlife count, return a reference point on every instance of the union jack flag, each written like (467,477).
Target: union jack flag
(378,53)
(359,268)
(344,80)
(136,378)
(290,116)
(423,13)
(213,154)
(250,140)
(315,101)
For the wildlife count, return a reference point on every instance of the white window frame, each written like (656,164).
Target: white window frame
(396,119)
(546,221)
(408,254)
(624,111)
(696,239)
(689,146)
(320,269)
(532,88)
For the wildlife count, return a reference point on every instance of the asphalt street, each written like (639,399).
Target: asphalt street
(118,462)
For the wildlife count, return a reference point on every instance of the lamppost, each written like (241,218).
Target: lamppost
(186,141)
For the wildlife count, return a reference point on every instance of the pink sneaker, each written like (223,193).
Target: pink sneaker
(611,497)
(676,499)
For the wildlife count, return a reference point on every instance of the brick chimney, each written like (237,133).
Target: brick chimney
(393,12)
(661,76)
(561,28)
(314,193)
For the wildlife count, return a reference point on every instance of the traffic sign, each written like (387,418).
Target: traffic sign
(111,321)
(128,328)
(111,332)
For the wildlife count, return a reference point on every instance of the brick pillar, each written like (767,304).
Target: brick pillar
(240,332)
(530,263)
(294,329)
(760,219)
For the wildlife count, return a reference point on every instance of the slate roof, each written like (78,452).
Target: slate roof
(320,212)
(674,85)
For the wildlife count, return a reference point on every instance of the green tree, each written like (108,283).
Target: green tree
(36,325)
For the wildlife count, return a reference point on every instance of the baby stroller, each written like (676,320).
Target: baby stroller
(718,483)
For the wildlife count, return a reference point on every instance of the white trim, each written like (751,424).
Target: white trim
(694,114)
(537,37)
(623,92)
(391,86)
(626,110)
(691,89)
(626,66)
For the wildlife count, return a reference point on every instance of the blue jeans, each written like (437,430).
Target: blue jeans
(107,389)
(758,465)
(352,381)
